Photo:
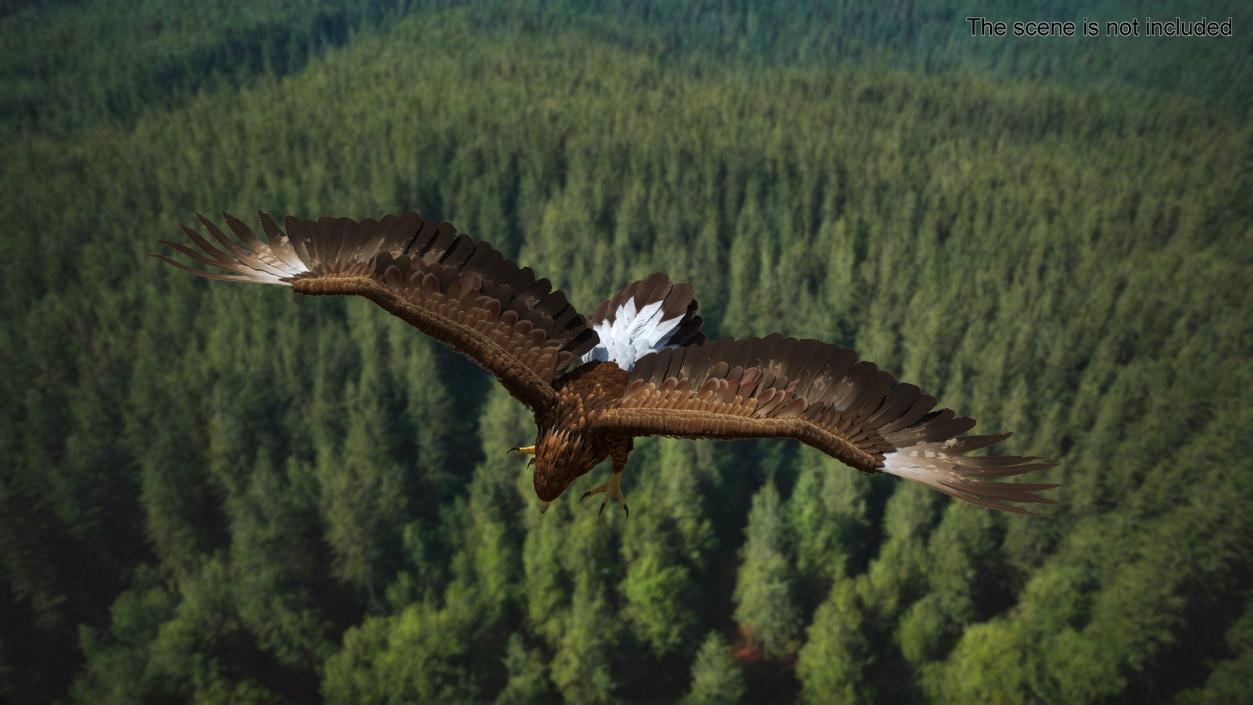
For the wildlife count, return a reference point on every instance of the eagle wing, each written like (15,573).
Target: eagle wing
(822,395)
(460,291)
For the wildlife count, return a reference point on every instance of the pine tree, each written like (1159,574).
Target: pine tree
(834,663)
(528,679)
(716,678)
(765,607)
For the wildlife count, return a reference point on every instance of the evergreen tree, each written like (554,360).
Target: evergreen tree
(528,678)
(765,607)
(834,663)
(716,677)
(215,493)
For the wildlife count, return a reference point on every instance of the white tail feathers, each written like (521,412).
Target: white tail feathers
(646,316)
(632,334)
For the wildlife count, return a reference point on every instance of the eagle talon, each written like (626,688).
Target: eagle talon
(611,490)
(526,450)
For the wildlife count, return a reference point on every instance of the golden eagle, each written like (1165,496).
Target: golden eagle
(638,366)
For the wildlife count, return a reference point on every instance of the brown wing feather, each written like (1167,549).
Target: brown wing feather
(459,291)
(821,395)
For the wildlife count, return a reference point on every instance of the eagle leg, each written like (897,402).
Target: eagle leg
(525,450)
(613,488)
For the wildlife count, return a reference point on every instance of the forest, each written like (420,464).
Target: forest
(216,493)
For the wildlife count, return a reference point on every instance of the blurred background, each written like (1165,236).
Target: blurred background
(215,493)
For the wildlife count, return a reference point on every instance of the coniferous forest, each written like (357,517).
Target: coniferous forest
(217,493)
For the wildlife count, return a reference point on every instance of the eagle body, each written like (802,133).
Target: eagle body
(639,365)
(568,444)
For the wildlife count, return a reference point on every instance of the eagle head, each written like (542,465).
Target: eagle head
(561,455)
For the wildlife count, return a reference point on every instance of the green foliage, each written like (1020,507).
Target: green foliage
(833,665)
(765,605)
(419,655)
(1231,677)
(664,550)
(276,516)
(581,659)
(362,496)
(215,493)
(716,678)
(528,679)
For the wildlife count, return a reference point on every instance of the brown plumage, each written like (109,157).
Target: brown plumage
(638,366)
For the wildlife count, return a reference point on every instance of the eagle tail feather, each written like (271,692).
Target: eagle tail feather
(646,316)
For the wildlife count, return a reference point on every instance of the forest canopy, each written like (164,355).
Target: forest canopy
(229,494)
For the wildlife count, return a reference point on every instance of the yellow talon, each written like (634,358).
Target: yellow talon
(528,450)
(611,490)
